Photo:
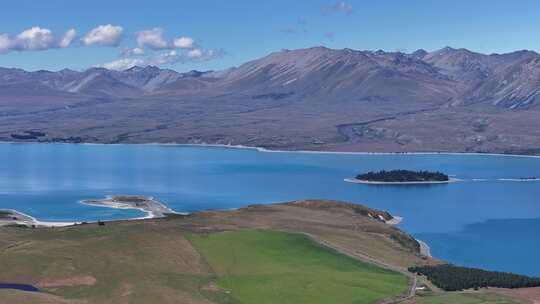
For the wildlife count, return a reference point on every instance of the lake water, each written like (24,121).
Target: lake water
(481,221)
(22,287)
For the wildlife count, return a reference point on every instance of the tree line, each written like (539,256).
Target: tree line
(454,278)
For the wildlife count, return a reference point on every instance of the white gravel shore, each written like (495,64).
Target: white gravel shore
(25,219)
(424,248)
(151,207)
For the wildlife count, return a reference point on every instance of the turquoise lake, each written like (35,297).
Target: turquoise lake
(481,221)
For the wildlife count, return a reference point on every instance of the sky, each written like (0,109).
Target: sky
(218,34)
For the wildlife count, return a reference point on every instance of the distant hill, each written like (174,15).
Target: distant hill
(315,98)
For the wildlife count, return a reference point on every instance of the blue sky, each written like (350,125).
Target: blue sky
(219,34)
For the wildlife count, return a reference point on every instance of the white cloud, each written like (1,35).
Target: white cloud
(123,64)
(152,48)
(136,51)
(5,43)
(338,7)
(168,57)
(184,43)
(152,39)
(155,39)
(35,39)
(164,58)
(104,35)
(204,55)
(211,54)
(68,37)
(158,50)
(195,53)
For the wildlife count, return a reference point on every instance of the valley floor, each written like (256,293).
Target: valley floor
(295,124)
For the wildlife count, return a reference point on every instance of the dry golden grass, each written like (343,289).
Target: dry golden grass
(131,262)
(15,296)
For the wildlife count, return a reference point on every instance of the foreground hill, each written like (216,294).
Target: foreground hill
(300,252)
(316,99)
(240,256)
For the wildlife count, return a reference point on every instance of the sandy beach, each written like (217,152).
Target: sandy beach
(18,218)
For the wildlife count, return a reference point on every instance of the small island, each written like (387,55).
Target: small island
(401,177)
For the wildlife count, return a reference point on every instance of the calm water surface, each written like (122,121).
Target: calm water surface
(22,287)
(480,221)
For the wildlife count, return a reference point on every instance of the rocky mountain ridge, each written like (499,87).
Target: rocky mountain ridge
(311,99)
(458,76)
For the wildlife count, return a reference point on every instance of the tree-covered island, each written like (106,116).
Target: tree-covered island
(403,176)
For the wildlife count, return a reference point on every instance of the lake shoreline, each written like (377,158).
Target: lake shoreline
(266,150)
(153,209)
(28,220)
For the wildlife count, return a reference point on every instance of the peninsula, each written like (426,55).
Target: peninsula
(146,204)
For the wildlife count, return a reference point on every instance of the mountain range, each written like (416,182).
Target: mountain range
(314,99)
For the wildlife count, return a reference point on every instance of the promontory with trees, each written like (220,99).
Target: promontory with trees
(403,176)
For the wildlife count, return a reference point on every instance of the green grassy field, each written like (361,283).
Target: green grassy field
(463,298)
(273,267)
